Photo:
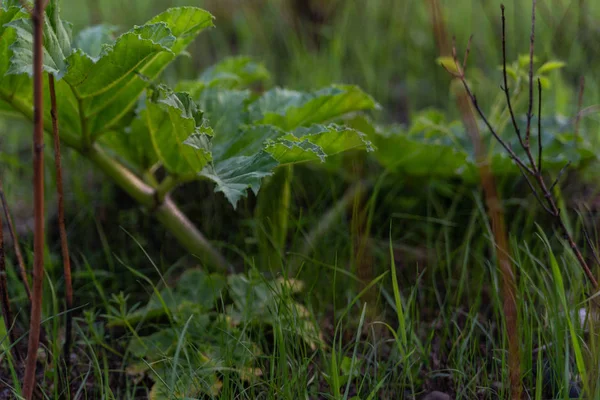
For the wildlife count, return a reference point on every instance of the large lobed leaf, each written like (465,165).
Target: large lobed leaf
(180,135)
(57,43)
(289,109)
(241,147)
(104,77)
(10,85)
(255,135)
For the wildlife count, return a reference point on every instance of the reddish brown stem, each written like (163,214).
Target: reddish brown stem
(495,214)
(37,18)
(21,270)
(64,246)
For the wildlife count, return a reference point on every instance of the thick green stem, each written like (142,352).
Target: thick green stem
(123,177)
(166,186)
(166,211)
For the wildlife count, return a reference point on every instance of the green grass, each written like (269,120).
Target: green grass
(439,324)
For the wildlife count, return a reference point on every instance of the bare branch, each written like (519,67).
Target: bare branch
(506,147)
(531,51)
(540,145)
(505,89)
(467,52)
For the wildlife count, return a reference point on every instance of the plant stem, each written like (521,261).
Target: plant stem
(64,246)
(166,186)
(123,177)
(166,212)
(22,271)
(37,18)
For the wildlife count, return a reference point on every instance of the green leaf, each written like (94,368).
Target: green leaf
(289,109)
(93,39)
(180,135)
(235,175)
(11,86)
(129,53)
(253,137)
(448,63)
(316,143)
(57,43)
(231,73)
(525,59)
(133,143)
(434,147)
(194,287)
(183,24)
(560,290)
(545,82)
(226,111)
(7,35)
(189,385)
(235,73)
(333,139)
(550,66)
(252,154)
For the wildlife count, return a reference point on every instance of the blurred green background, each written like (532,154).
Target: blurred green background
(388,47)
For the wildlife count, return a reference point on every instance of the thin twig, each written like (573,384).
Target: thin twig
(505,88)
(22,271)
(531,54)
(61,224)
(506,147)
(467,52)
